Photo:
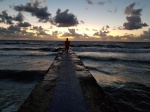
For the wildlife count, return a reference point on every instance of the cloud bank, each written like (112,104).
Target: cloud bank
(34,8)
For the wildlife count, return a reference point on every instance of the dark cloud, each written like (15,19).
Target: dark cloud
(40,12)
(89,1)
(11,33)
(19,8)
(147,32)
(133,20)
(62,19)
(3,30)
(19,30)
(72,33)
(10,30)
(5,18)
(14,28)
(65,19)
(19,17)
(25,24)
(40,30)
(16,32)
(145,36)
(130,11)
(101,33)
(55,33)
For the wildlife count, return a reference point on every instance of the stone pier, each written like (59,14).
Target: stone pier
(68,86)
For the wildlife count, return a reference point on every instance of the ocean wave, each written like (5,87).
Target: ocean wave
(98,70)
(21,76)
(113,59)
(148,47)
(28,49)
(119,50)
(14,43)
(133,97)
(49,54)
(86,45)
(97,45)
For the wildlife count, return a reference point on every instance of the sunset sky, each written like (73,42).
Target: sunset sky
(85,20)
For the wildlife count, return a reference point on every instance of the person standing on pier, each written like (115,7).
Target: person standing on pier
(67,44)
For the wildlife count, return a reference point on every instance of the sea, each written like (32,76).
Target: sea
(121,69)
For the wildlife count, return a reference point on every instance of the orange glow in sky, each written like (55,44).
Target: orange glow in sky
(75,19)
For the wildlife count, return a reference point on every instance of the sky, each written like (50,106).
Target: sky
(78,20)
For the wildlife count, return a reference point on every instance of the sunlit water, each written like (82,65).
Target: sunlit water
(121,69)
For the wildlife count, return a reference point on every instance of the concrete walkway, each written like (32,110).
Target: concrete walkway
(67,95)
(60,89)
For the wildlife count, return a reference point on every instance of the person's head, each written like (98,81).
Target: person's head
(66,39)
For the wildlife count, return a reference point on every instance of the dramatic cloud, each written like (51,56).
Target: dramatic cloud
(130,11)
(19,17)
(101,33)
(89,1)
(65,19)
(134,19)
(16,32)
(145,36)
(40,12)
(40,30)
(5,18)
(3,30)
(146,32)
(55,33)
(72,33)
(10,33)
(25,24)
(14,28)
(10,30)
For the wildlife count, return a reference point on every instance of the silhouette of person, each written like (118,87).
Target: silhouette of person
(67,44)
